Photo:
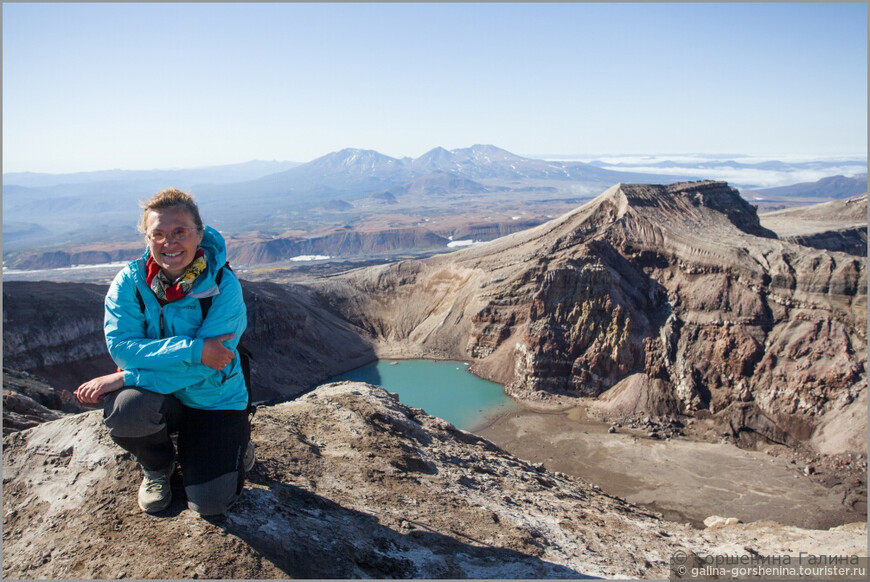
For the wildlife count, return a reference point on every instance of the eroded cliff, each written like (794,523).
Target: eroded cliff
(674,297)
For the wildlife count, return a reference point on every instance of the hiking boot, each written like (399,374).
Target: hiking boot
(249,459)
(155,494)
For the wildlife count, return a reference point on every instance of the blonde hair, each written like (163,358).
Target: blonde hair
(170,198)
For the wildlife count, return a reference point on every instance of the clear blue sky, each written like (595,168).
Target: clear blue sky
(136,86)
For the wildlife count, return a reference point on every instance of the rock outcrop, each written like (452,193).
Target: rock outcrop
(349,483)
(28,401)
(677,289)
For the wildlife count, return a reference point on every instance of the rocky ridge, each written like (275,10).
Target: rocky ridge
(348,483)
(840,225)
(660,299)
(61,259)
(343,242)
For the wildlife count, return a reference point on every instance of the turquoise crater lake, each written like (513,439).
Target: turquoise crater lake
(443,389)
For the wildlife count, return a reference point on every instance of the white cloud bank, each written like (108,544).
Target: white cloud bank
(752,171)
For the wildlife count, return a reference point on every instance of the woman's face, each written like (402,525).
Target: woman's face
(176,240)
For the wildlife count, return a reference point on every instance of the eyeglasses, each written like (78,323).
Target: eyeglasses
(180,234)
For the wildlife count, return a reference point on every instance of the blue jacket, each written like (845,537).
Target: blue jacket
(169,362)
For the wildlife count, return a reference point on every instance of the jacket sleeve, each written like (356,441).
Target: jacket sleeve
(169,364)
(127,336)
(227,314)
(176,364)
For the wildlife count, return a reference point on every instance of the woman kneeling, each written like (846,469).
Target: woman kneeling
(178,370)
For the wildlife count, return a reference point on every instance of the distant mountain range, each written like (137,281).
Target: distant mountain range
(210,174)
(678,165)
(45,208)
(354,173)
(837,187)
(41,209)
(272,197)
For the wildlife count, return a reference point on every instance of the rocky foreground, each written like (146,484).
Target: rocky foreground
(28,401)
(349,483)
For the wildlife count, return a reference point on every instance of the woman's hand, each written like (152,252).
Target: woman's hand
(93,390)
(215,354)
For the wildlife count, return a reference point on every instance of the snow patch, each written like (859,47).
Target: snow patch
(310,258)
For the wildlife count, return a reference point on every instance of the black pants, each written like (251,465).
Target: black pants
(211,443)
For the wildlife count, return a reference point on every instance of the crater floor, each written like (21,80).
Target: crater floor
(683,479)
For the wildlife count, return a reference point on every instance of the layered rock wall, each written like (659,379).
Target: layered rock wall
(52,324)
(681,284)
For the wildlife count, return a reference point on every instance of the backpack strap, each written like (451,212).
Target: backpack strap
(140,300)
(205,302)
(245,357)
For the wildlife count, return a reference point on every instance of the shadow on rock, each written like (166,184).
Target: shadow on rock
(309,536)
